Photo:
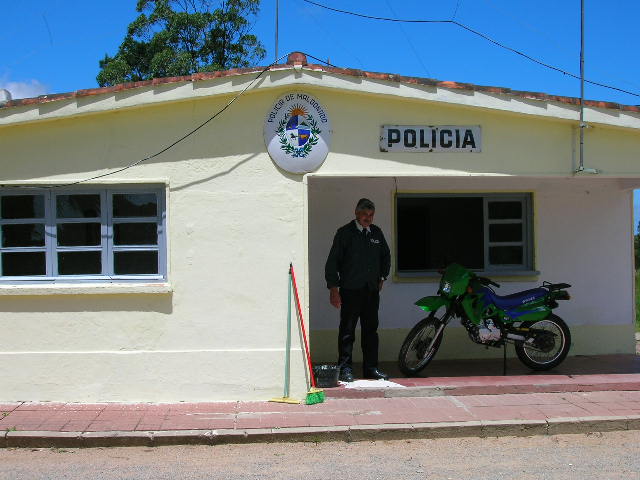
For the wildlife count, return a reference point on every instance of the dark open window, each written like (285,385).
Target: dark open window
(485,232)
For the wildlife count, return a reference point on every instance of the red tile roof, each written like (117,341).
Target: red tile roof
(298,58)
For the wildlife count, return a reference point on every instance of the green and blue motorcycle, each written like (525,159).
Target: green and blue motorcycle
(541,339)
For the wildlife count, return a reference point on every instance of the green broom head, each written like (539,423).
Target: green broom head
(315,395)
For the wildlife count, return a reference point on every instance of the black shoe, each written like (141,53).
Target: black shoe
(346,374)
(375,374)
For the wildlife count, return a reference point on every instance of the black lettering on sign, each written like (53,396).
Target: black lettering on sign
(393,136)
(433,138)
(409,138)
(457,138)
(468,139)
(423,144)
(445,143)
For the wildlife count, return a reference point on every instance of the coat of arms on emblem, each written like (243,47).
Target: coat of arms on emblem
(298,132)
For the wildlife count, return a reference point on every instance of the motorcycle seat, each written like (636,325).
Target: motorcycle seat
(516,299)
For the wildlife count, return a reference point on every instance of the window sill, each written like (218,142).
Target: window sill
(434,277)
(86,289)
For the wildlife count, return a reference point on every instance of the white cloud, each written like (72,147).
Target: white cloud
(28,89)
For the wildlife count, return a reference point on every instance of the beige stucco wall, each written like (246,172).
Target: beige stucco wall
(511,144)
(235,221)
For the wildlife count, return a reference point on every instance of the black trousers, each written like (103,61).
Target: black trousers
(359,304)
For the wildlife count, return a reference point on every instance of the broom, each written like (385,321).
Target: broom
(314,395)
(287,362)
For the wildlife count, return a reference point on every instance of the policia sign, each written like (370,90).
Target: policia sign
(442,138)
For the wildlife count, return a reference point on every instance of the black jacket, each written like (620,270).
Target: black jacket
(356,260)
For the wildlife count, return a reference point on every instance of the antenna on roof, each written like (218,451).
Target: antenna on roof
(583,125)
(277,4)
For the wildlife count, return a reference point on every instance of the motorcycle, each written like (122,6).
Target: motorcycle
(541,338)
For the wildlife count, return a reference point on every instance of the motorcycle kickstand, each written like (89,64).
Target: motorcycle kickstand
(504,359)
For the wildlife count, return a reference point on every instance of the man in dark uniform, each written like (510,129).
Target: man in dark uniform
(357,266)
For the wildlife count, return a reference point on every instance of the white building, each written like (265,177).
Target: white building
(167,281)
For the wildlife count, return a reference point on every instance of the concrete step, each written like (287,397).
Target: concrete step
(484,385)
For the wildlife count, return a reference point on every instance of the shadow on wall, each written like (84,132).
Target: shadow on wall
(214,176)
(231,167)
(159,303)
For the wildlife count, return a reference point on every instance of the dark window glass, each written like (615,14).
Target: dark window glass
(22,206)
(434,232)
(78,206)
(135,205)
(505,255)
(79,263)
(23,263)
(23,235)
(135,234)
(132,263)
(505,232)
(505,210)
(78,234)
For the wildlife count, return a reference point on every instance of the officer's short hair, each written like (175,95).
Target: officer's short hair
(365,204)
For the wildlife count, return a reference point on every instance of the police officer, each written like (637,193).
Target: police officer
(357,266)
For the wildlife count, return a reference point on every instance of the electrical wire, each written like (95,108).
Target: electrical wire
(475,32)
(455,12)
(526,25)
(329,35)
(523,23)
(371,17)
(185,136)
(320,60)
(138,162)
(408,38)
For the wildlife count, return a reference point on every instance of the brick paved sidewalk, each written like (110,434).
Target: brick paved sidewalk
(110,424)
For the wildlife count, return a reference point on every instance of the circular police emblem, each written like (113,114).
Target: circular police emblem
(297,133)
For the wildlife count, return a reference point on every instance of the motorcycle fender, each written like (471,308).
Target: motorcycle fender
(431,304)
(473,307)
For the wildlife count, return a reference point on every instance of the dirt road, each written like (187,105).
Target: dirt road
(614,455)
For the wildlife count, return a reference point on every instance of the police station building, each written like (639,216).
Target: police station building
(133,272)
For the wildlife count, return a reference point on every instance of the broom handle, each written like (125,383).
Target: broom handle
(287,362)
(304,333)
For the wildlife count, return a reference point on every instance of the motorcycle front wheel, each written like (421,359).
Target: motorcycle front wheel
(549,347)
(414,354)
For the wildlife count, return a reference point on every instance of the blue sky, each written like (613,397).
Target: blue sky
(53,46)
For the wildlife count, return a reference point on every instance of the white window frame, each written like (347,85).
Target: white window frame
(106,247)
(527,227)
(527,220)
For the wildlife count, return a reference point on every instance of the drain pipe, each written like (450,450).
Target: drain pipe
(583,125)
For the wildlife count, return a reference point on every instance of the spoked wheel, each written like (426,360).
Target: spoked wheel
(548,345)
(415,354)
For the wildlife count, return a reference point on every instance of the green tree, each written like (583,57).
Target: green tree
(181,37)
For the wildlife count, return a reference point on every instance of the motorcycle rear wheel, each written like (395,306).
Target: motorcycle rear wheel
(413,357)
(552,353)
